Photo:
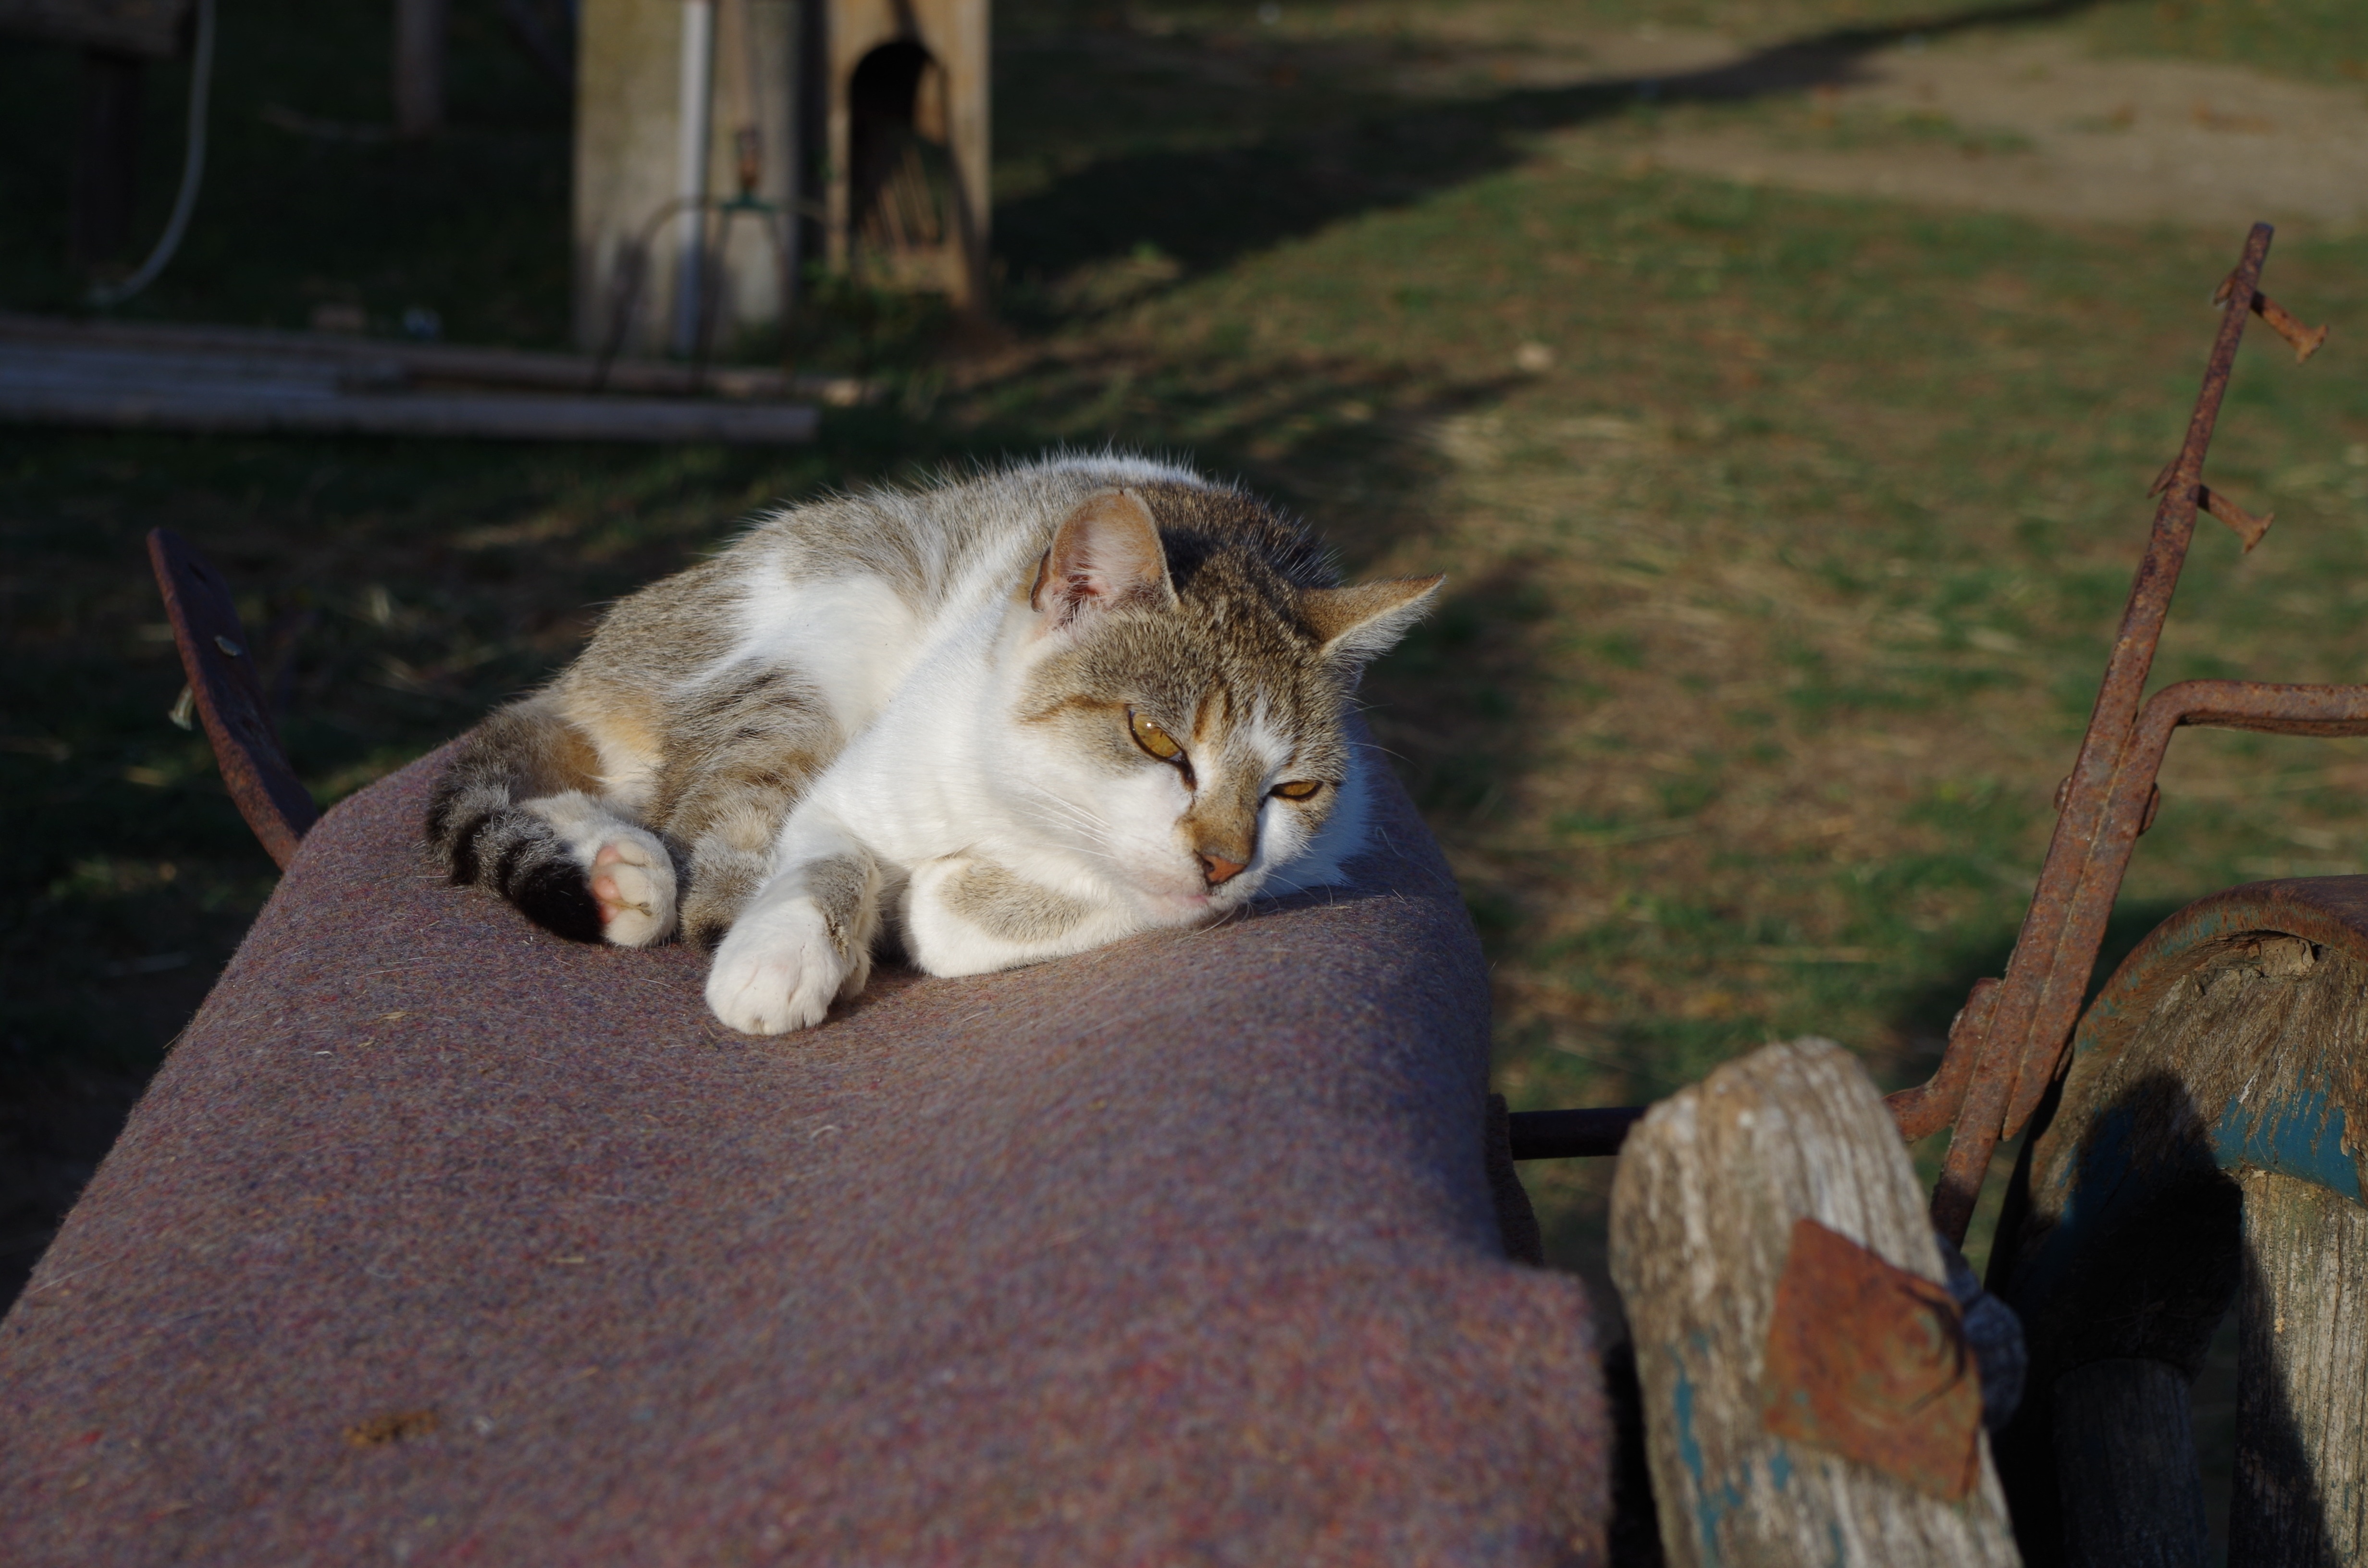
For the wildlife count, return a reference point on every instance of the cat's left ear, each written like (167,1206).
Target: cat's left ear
(1363,622)
(1105,553)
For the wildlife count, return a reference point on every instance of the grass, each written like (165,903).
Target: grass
(1786,534)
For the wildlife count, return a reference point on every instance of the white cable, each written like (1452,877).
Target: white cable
(193,168)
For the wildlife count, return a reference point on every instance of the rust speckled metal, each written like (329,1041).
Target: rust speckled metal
(2010,1045)
(220,662)
(1871,1362)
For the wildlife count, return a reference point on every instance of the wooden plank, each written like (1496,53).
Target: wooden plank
(2302,1402)
(107,153)
(454,363)
(1703,1207)
(419,32)
(2223,1060)
(2132,1488)
(125,389)
(152,29)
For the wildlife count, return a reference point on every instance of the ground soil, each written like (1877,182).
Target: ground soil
(2029,125)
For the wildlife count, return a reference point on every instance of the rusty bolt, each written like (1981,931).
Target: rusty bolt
(2247,526)
(2305,338)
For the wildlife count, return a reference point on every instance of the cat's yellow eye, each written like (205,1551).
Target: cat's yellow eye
(1154,739)
(1299,788)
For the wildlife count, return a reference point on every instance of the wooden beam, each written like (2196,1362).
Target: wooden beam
(154,29)
(419,34)
(133,389)
(2302,1400)
(2127,1468)
(1704,1208)
(455,364)
(107,154)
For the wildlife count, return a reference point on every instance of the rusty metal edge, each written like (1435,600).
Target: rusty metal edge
(255,768)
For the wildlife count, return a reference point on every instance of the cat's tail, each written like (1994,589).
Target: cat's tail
(484,828)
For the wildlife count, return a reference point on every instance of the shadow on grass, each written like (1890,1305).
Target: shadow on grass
(1206,207)
(1928,1012)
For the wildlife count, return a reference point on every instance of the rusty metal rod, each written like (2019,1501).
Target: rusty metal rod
(2049,970)
(2261,706)
(1928,1107)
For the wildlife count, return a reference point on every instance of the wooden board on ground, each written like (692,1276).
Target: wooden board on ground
(442,363)
(151,29)
(224,381)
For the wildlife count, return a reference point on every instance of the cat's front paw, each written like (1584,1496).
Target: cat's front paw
(631,878)
(779,969)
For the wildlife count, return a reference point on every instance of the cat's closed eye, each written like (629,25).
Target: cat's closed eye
(1299,788)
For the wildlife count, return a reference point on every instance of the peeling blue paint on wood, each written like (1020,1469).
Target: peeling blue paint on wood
(2300,1135)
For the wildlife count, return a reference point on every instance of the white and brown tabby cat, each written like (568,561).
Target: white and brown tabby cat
(1011,718)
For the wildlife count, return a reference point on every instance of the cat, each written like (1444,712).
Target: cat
(999,720)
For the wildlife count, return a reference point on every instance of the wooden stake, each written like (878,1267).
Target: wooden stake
(1702,1216)
(106,158)
(419,31)
(2302,1402)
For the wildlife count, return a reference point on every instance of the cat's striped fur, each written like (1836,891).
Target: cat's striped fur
(944,711)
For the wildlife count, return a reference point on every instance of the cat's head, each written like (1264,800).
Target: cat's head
(1182,672)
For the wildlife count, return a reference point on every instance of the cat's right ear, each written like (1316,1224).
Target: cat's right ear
(1361,622)
(1105,553)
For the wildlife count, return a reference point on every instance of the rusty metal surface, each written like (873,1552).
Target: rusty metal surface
(221,664)
(2306,340)
(1930,1106)
(2110,797)
(1871,1362)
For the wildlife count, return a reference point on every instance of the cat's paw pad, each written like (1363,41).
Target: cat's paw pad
(632,881)
(777,971)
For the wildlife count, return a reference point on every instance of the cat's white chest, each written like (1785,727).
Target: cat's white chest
(853,638)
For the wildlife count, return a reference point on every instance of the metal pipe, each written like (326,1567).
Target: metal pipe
(694,104)
(1572,1134)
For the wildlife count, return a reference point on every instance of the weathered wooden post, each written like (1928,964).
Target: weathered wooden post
(906,195)
(2302,1397)
(2205,1145)
(420,50)
(107,153)
(118,39)
(686,172)
(1810,1393)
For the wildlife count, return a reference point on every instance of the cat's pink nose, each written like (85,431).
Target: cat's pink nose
(1219,868)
